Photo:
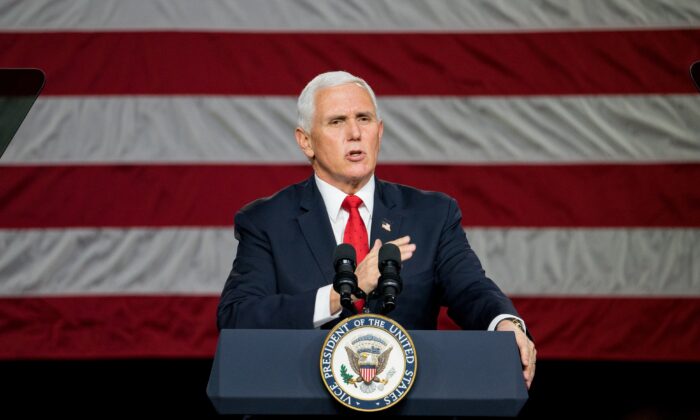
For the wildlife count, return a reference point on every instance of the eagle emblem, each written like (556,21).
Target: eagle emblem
(368,362)
(368,358)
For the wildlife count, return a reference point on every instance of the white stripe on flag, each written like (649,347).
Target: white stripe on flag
(545,262)
(347,15)
(589,129)
(587,262)
(104,261)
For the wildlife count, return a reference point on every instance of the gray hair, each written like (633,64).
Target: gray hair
(306,104)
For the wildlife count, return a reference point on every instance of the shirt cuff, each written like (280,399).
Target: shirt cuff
(322,310)
(499,318)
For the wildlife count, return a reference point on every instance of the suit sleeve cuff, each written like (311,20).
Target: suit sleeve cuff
(499,318)
(322,310)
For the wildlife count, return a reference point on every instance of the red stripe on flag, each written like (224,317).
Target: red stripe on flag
(610,328)
(107,327)
(548,63)
(661,329)
(654,195)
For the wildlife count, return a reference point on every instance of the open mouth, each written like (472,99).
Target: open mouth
(355,155)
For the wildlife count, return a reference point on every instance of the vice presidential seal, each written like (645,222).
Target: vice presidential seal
(368,362)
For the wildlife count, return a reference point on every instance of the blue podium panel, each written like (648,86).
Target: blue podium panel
(459,373)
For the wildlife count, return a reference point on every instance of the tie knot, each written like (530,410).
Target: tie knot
(351,202)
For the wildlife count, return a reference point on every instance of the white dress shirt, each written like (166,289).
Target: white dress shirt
(333,199)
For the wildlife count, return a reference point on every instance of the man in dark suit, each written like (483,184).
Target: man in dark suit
(283,270)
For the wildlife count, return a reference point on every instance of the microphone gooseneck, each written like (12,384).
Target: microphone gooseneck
(390,284)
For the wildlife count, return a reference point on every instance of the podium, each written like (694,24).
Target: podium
(459,373)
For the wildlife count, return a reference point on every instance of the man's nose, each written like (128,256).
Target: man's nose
(354,132)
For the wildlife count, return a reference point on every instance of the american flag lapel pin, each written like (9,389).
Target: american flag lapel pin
(386,226)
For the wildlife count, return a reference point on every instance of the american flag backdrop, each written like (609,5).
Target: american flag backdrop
(568,131)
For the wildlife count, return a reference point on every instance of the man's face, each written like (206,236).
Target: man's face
(345,137)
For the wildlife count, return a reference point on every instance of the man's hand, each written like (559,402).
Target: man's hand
(528,353)
(368,271)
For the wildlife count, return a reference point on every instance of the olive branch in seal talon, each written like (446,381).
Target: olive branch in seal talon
(347,378)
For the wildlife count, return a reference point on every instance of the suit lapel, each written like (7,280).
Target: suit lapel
(386,224)
(316,228)
(386,220)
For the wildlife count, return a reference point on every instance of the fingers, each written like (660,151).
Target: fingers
(405,246)
(529,369)
(528,357)
(367,271)
(401,241)
(528,353)
(522,342)
(371,256)
(532,367)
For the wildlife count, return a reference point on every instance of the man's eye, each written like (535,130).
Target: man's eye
(336,122)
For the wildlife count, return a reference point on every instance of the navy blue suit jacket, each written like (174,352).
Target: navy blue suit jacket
(285,254)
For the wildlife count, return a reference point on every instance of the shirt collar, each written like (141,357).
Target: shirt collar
(333,197)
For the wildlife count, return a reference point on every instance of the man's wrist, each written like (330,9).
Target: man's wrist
(518,323)
(502,317)
(323,309)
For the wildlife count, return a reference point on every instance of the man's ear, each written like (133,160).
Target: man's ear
(304,142)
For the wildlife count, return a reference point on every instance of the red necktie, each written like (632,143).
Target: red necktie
(356,234)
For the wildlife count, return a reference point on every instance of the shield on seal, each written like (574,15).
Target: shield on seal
(368,373)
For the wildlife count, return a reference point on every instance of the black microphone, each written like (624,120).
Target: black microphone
(695,74)
(390,284)
(345,280)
